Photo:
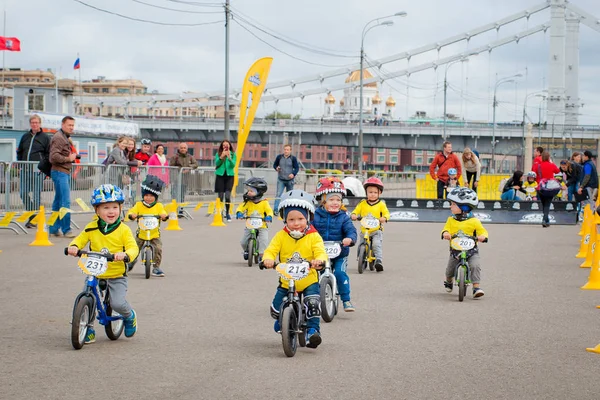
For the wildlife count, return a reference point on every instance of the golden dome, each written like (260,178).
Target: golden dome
(355,77)
(342,102)
(390,102)
(330,99)
(376,99)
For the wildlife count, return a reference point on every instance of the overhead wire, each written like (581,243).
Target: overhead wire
(175,9)
(146,20)
(198,3)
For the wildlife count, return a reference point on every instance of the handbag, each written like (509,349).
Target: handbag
(45,166)
(549,187)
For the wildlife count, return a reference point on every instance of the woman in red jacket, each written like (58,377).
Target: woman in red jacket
(546,171)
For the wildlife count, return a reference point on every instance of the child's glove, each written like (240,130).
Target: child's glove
(239,215)
(268,218)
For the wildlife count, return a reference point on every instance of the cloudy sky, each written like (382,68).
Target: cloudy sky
(175,58)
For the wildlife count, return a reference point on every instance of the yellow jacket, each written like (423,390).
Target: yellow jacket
(310,247)
(471,226)
(530,185)
(121,239)
(141,209)
(262,208)
(378,210)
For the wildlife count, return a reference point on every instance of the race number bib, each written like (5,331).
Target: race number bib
(370,223)
(254,223)
(148,223)
(530,189)
(333,249)
(462,243)
(295,271)
(93,264)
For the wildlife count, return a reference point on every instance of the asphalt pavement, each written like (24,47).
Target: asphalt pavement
(205,331)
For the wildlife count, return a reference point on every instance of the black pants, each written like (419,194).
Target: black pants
(441,189)
(546,202)
(471,175)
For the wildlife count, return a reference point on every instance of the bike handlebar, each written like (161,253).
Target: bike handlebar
(150,215)
(262,266)
(109,257)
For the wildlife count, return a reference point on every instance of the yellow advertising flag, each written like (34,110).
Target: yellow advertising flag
(252,90)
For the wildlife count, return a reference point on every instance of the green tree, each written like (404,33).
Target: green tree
(279,115)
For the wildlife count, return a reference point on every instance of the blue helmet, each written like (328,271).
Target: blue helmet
(452,171)
(107,194)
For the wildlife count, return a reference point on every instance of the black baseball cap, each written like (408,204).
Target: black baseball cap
(588,154)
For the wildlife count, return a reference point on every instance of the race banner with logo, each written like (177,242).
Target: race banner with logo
(252,90)
(488,211)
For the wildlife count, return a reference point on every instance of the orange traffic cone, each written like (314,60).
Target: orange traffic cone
(585,239)
(594,279)
(218,215)
(173,224)
(41,235)
(590,257)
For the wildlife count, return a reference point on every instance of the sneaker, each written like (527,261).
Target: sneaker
(277,326)
(130,324)
(246,255)
(449,286)
(70,235)
(378,265)
(228,217)
(158,272)
(313,338)
(348,307)
(90,336)
(477,292)
(57,234)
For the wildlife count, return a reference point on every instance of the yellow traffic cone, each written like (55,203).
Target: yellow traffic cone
(594,279)
(41,235)
(218,218)
(594,349)
(585,239)
(173,224)
(586,212)
(590,257)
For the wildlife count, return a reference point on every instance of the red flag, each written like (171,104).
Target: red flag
(10,43)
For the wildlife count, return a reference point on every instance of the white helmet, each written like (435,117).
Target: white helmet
(532,174)
(464,196)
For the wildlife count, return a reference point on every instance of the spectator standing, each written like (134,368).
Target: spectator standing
(144,153)
(572,173)
(33,146)
(589,179)
(62,158)
(443,161)
(225,160)
(287,168)
(537,160)
(182,159)
(471,168)
(157,163)
(547,169)
(119,156)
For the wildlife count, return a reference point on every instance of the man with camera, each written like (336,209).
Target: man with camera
(62,158)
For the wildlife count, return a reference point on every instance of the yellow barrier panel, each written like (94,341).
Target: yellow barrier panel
(53,217)
(7,218)
(211,208)
(82,204)
(198,206)
(25,216)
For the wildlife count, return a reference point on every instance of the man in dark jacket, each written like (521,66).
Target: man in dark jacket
(33,146)
(182,159)
(589,179)
(287,167)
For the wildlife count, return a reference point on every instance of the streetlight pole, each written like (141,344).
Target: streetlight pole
(365,30)
(226,112)
(462,59)
(537,94)
(494,104)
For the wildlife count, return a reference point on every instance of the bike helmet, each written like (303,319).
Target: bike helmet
(146,141)
(374,181)
(330,184)
(558,176)
(107,194)
(152,185)
(259,185)
(464,197)
(297,198)
(452,171)
(531,174)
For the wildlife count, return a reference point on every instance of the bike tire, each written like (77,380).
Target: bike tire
(289,338)
(148,261)
(113,329)
(327,299)
(82,315)
(250,250)
(462,285)
(361,259)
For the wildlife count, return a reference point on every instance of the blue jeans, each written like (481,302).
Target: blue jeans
(30,189)
(339,266)
(312,290)
(510,194)
(571,190)
(62,198)
(281,187)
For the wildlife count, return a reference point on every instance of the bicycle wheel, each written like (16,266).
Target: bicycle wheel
(250,250)
(82,315)
(362,261)
(288,331)
(148,261)
(462,285)
(113,329)
(327,299)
